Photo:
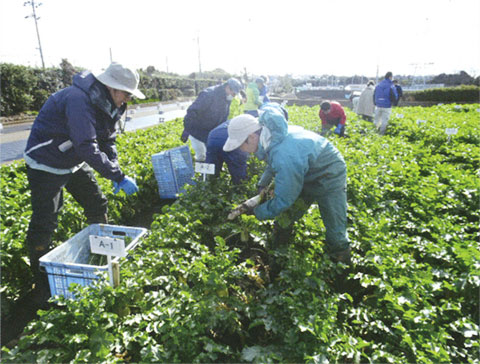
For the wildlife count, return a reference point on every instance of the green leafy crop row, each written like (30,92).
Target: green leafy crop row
(199,289)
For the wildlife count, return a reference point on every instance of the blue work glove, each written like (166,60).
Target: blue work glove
(127,184)
(338,129)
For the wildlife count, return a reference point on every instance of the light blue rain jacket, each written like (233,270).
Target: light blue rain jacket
(301,161)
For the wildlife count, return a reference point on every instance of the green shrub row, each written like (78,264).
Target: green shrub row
(460,94)
(26,89)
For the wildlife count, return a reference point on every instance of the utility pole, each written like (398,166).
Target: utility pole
(34,16)
(421,66)
(199,63)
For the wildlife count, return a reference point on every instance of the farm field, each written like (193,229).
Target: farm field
(199,288)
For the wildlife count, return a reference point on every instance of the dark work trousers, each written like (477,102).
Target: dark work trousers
(47,201)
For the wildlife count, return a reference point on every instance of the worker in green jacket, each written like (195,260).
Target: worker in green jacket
(253,97)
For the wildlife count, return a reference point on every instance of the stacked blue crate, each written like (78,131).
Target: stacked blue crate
(173,169)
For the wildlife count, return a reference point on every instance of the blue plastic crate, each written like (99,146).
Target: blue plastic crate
(173,169)
(68,263)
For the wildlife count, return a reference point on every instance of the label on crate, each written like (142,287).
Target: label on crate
(107,246)
(207,168)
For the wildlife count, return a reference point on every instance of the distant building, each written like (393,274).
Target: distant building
(356,87)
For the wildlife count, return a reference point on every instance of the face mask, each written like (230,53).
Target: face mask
(229,97)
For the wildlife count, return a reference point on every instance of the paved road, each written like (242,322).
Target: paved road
(13,138)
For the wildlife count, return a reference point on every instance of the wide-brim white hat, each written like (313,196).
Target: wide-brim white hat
(239,128)
(120,77)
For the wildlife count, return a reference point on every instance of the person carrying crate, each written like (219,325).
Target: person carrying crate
(74,132)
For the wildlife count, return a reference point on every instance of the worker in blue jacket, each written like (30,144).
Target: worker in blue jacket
(303,165)
(210,109)
(74,132)
(235,160)
(384,96)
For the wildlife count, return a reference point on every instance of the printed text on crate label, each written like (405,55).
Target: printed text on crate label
(107,246)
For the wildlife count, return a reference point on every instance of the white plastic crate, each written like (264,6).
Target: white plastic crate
(173,169)
(68,263)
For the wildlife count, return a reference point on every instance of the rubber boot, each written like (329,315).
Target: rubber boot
(41,291)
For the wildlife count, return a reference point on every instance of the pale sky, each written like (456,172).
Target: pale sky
(340,37)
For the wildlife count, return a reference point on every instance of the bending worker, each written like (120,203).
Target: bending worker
(75,130)
(236,160)
(303,165)
(210,109)
(332,115)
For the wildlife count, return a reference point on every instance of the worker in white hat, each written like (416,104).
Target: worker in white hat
(303,165)
(75,130)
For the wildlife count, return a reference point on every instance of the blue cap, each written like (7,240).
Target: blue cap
(234,85)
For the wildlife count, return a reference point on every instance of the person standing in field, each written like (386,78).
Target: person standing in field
(264,90)
(399,92)
(254,101)
(366,106)
(210,109)
(74,132)
(385,95)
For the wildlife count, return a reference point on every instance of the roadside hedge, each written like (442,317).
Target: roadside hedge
(26,89)
(460,94)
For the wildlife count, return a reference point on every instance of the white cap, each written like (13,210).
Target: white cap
(120,78)
(239,129)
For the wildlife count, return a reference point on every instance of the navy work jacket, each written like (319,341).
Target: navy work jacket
(210,109)
(78,124)
(236,160)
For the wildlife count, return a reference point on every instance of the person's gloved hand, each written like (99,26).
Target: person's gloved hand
(127,184)
(338,129)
